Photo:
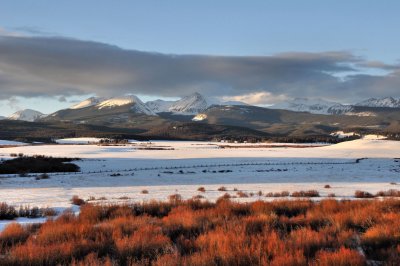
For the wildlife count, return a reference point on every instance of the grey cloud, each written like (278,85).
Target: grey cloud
(380,65)
(52,66)
(31,30)
(13,103)
(62,99)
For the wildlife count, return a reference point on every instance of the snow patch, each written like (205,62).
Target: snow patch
(11,143)
(342,134)
(374,137)
(199,117)
(21,221)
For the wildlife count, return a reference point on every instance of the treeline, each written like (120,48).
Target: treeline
(37,164)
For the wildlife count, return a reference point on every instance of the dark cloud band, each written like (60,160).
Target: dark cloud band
(45,66)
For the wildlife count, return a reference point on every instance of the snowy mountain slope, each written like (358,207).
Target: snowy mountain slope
(26,115)
(2,117)
(137,105)
(159,106)
(191,104)
(380,102)
(88,102)
(188,105)
(117,101)
(340,109)
(314,106)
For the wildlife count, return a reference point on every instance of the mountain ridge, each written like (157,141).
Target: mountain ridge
(390,102)
(195,105)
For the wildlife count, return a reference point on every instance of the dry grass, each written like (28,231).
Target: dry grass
(194,232)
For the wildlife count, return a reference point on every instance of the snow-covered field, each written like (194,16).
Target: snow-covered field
(78,141)
(120,173)
(11,143)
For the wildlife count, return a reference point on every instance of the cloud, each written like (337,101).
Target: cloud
(53,66)
(257,98)
(62,99)
(31,30)
(5,32)
(380,65)
(13,103)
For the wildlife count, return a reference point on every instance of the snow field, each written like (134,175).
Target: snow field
(120,173)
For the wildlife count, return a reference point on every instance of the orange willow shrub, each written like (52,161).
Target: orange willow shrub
(13,234)
(147,242)
(341,257)
(196,232)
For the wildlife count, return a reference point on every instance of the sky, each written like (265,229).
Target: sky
(55,53)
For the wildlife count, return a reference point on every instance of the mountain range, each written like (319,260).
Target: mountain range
(196,104)
(197,117)
(320,106)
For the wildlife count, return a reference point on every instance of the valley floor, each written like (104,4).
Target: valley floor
(121,173)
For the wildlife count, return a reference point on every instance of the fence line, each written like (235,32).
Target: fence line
(188,167)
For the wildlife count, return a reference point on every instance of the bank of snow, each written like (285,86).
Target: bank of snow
(370,146)
(22,221)
(78,140)
(11,143)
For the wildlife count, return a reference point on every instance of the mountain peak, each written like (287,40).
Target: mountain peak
(137,105)
(87,103)
(191,104)
(118,101)
(26,115)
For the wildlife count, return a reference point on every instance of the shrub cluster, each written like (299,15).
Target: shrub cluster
(389,193)
(278,194)
(193,232)
(308,193)
(8,212)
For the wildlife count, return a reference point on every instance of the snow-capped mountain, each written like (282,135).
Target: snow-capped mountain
(314,106)
(88,102)
(189,105)
(26,115)
(107,103)
(380,102)
(2,117)
(137,105)
(192,104)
